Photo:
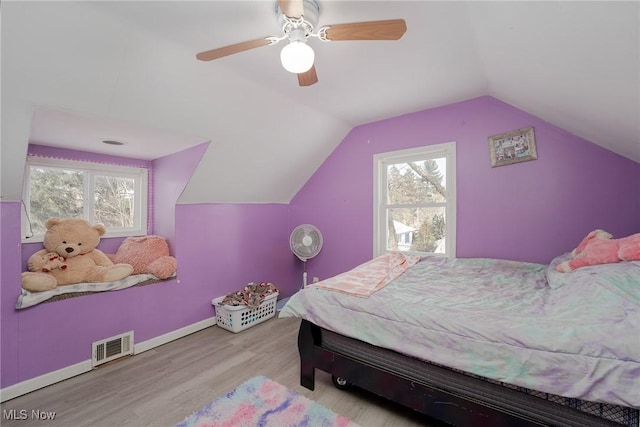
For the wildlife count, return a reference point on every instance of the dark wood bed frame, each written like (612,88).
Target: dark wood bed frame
(473,403)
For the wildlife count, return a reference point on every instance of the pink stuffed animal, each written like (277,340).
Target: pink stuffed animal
(147,254)
(599,248)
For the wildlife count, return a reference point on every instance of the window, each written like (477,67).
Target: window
(113,195)
(415,200)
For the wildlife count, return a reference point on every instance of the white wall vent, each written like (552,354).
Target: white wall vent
(112,348)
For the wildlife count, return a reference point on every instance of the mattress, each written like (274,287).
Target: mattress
(517,323)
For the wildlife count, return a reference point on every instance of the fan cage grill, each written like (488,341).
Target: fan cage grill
(297,245)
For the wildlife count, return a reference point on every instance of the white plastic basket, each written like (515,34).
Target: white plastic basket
(238,318)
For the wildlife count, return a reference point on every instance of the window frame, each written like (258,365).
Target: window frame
(380,206)
(140,175)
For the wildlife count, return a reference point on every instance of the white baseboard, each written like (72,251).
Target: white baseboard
(36,383)
(174,335)
(50,378)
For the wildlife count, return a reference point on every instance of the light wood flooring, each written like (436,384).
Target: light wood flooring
(162,386)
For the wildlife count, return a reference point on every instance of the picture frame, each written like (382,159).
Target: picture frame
(513,147)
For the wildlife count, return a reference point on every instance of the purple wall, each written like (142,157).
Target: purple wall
(230,245)
(30,333)
(171,175)
(219,249)
(530,211)
(10,269)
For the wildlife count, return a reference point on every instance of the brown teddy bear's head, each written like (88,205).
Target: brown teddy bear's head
(71,237)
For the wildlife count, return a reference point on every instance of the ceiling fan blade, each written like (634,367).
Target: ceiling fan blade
(309,77)
(392,29)
(292,8)
(212,54)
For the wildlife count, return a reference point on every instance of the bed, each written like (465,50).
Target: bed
(481,341)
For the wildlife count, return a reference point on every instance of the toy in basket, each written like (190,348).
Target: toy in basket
(240,310)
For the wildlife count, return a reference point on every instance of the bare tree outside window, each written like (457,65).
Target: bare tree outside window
(55,193)
(115,196)
(114,201)
(416,199)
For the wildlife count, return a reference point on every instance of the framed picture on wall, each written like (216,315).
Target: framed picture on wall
(512,147)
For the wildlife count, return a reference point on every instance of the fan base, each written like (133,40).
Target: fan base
(310,16)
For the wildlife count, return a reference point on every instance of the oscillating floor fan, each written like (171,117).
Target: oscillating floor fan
(305,242)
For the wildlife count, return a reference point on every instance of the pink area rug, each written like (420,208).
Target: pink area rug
(265,403)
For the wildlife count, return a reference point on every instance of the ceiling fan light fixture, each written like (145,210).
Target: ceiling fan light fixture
(297,57)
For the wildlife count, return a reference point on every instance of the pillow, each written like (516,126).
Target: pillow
(622,278)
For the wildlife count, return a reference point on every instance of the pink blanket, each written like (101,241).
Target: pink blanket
(371,276)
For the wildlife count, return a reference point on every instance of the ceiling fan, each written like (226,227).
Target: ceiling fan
(298,19)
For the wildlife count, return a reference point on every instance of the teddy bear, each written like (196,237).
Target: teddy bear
(70,255)
(147,255)
(598,247)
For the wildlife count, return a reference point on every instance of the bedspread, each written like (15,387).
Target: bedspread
(501,320)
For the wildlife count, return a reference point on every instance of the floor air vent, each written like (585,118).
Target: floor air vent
(112,348)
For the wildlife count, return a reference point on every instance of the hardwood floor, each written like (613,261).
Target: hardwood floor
(160,387)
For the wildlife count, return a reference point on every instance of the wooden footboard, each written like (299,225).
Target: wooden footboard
(489,404)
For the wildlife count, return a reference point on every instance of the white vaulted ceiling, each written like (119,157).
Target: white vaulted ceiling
(86,71)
